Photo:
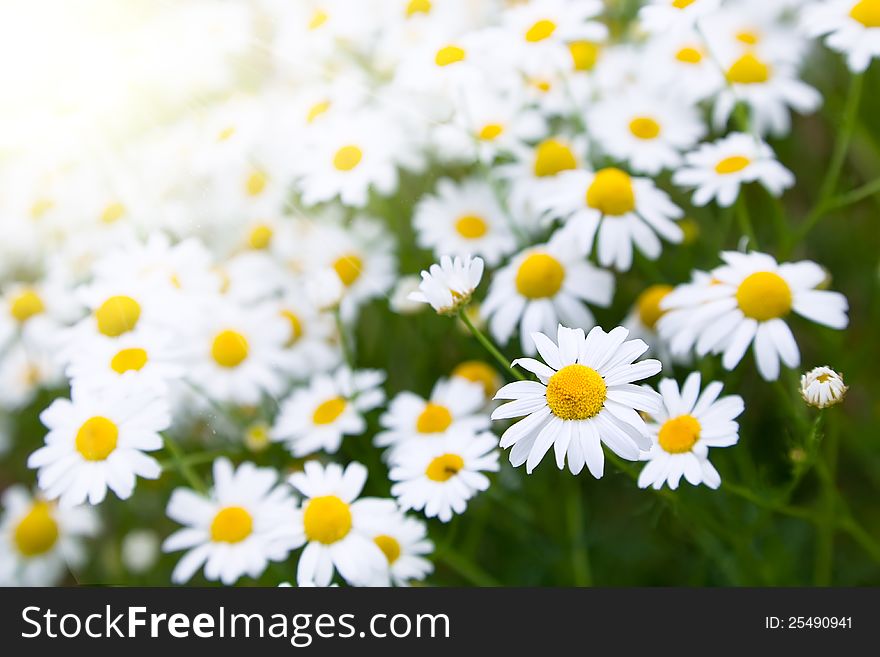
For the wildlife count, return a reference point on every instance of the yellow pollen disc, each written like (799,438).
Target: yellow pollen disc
(678,435)
(113,213)
(347,158)
(256,183)
(541,30)
(41,207)
(539,276)
(418,7)
(823,378)
(319,17)
(763,296)
(748,37)
(96,438)
(611,192)
(866,12)
(436,418)
(477,371)
(689,55)
(257,437)
(129,360)
(552,157)
(648,304)
(470,226)
(317,110)
(681,4)
(296,327)
(748,69)
(541,85)
(232,524)
(449,55)
(490,131)
(226,133)
(348,268)
(644,127)
(584,55)
(444,467)
(26,304)
(37,532)
(230,349)
(327,519)
(390,547)
(260,237)
(576,392)
(328,411)
(117,315)
(732,164)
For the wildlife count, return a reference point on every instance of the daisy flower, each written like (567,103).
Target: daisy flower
(439,477)
(449,286)
(851,27)
(717,170)
(404,542)
(614,210)
(242,524)
(98,441)
(335,524)
(24,370)
(463,219)
(641,322)
(35,313)
(585,396)
(746,301)
(686,426)
(681,66)
(477,371)
(658,16)
(822,387)
(332,406)
(311,344)
(39,542)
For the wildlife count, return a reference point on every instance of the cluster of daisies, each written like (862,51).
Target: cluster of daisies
(197,285)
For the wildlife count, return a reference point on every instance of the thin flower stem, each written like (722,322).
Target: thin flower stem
(343,339)
(849,198)
(745,221)
(465,568)
(198,458)
(183,466)
(580,557)
(491,348)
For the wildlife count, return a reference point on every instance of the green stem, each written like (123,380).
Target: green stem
(466,569)
(580,557)
(198,458)
(183,467)
(827,512)
(745,221)
(849,198)
(343,339)
(491,348)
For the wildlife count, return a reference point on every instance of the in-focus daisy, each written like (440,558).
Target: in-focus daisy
(335,524)
(39,542)
(332,406)
(717,170)
(439,477)
(822,387)
(852,28)
(98,441)
(684,428)
(449,286)
(585,396)
(542,286)
(746,301)
(404,542)
(246,521)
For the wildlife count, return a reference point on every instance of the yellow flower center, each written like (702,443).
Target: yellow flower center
(543,29)
(328,411)
(113,213)
(226,133)
(470,226)
(26,304)
(327,519)
(823,378)
(232,524)
(418,7)
(37,532)
(539,276)
(541,85)
(348,268)
(490,131)
(732,164)
(347,158)
(584,55)
(748,37)
(436,418)
(867,12)
(648,304)
(96,438)
(552,157)
(256,437)
(679,434)
(256,183)
(681,4)
(41,206)
(317,110)
(260,237)
(319,17)
(763,296)
(296,327)
(444,467)
(611,192)
(576,392)
(689,55)
(390,547)
(449,55)
(117,315)
(477,371)
(644,127)
(230,349)
(748,69)
(129,360)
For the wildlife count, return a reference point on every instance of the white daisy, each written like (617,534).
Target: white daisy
(641,322)
(585,397)
(245,522)
(822,387)
(680,64)
(311,344)
(404,542)
(658,16)
(684,428)
(477,371)
(24,370)
(852,27)
(449,286)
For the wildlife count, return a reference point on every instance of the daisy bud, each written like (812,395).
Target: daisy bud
(449,286)
(822,387)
